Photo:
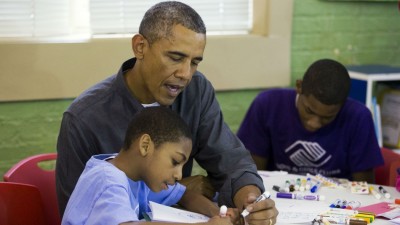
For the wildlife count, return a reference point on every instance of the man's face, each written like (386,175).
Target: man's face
(169,64)
(313,114)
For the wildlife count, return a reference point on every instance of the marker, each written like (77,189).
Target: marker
(278,189)
(376,194)
(335,219)
(339,202)
(223,210)
(339,211)
(291,186)
(315,187)
(297,185)
(303,184)
(336,203)
(300,196)
(287,184)
(344,204)
(353,205)
(384,192)
(264,196)
(308,183)
(356,221)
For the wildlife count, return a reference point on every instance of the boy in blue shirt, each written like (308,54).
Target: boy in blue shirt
(116,188)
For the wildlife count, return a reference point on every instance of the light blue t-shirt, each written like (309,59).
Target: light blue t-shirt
(105,195)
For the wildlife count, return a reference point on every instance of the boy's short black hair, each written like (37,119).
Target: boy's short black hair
(158,21)
(161,123)
(328,81)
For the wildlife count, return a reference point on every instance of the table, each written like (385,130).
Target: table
(331,194)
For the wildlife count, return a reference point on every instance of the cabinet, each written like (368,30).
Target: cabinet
(365,82)
(365,78)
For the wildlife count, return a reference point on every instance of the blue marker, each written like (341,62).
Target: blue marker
(315,187)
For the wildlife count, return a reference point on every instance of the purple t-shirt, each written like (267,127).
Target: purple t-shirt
(272,129)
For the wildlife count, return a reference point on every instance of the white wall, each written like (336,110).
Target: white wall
(63,70)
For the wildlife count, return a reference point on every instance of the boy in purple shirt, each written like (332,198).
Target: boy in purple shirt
(314,129)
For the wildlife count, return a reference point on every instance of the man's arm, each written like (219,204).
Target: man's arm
(215,147)
(71,158)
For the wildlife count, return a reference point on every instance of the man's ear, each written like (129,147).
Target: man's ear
(145,145)
(298,86)
(138,45)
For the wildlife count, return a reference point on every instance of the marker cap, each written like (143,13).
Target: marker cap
(223,210)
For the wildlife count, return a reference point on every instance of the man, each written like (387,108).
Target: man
(314,129)
(167,50)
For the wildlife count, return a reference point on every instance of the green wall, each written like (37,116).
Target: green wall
(352,32)
(28,128)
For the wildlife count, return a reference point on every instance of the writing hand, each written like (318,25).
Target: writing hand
(260,213)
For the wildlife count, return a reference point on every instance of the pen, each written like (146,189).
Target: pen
(315,187)
(223,210)
(376,194)
(264,196)
(384,192)
(300,196)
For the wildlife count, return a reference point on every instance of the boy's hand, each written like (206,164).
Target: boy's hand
(234,215)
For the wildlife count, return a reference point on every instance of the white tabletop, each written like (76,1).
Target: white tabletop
(331,194)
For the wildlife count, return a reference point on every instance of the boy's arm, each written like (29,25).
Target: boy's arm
(195,202)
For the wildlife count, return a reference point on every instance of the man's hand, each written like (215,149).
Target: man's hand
(199,184)
(261,213)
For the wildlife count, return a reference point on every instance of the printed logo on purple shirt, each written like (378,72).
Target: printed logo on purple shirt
(307,154)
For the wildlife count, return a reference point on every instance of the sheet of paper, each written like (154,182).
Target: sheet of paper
(169,214)
(377,208)
(266,173)
(395,221)
(299,211)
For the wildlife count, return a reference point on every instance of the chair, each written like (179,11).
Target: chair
(20,204)
(28,171)
(386,174)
